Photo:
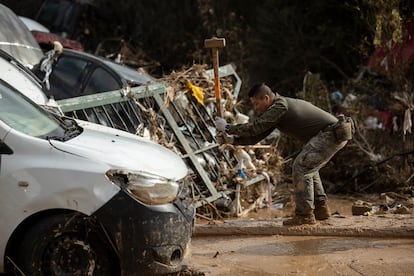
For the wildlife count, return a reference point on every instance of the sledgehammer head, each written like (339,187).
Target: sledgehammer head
(214,42)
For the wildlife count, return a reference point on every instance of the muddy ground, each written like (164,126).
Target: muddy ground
(378,243)
(299,255)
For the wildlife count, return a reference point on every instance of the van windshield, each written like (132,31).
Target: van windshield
(17,40)
(21,114)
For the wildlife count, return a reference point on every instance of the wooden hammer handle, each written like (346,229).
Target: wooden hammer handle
(217,81)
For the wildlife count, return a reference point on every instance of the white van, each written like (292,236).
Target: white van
(19,76)
(83,199)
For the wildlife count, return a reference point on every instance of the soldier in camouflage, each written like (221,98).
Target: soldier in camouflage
(304,121)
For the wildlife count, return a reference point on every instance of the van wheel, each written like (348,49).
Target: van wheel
(66,245)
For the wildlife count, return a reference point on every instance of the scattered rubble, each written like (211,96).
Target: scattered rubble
(246,162)
(388,203)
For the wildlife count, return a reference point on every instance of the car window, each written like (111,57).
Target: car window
(66,76)
(101,81)
(18,113)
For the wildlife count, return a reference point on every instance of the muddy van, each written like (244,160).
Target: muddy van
(83,199)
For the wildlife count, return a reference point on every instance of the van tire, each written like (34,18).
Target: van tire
(66,244)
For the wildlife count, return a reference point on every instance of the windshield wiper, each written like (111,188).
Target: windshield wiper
(57,138)
(73,131)
(70,127)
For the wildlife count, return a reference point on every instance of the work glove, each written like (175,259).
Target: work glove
(224,138)
(221,124)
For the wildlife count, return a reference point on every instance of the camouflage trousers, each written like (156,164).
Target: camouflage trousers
(315,154)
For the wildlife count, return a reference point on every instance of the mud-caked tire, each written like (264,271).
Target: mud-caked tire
(65,244)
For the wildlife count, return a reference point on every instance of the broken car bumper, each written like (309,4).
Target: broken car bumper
(150,239)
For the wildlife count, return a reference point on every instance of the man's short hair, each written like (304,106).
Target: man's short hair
(259,89)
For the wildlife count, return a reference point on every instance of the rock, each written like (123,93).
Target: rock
(360,208)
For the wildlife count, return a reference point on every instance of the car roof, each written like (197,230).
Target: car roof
(33,25)
(17,40)
(128,74)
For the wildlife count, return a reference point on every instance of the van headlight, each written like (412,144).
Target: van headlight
(146,187)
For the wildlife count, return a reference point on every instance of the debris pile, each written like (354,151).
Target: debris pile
(387,203)
(380,155)
(232,168)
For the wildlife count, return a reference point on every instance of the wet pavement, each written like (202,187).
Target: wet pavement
(302,255)
(343,245)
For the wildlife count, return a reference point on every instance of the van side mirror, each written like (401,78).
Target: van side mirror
(4,149)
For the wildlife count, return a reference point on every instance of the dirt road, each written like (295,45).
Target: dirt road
(381,244)
(309,255)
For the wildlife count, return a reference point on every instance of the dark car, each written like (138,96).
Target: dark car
(45,38)
(77,74)
(74,74)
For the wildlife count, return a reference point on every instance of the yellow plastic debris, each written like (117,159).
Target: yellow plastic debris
(197,92)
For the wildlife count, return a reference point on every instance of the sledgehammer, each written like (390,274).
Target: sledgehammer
(215,43)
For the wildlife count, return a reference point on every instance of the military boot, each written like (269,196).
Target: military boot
(321,210)
(300,220)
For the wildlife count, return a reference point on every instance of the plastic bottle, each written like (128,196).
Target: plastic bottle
(240,170)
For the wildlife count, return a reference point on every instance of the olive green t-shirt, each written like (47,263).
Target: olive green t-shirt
(294,117)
